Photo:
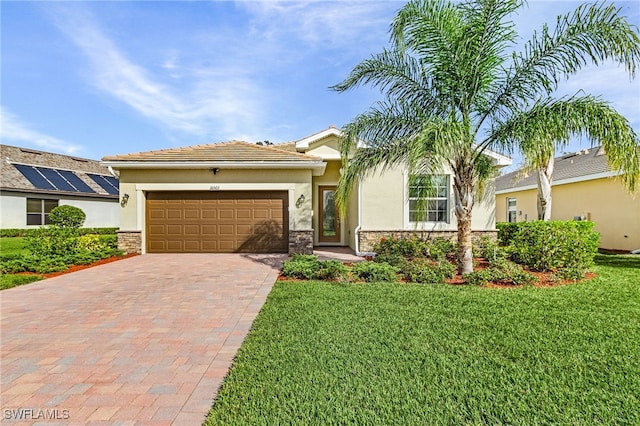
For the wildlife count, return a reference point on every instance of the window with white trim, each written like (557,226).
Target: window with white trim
(511,210)
(38,210)
(429,198)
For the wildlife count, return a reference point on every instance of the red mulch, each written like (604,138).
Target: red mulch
(74,268)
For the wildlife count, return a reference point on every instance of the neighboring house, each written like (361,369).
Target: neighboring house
(583,187)
(33,182)
(242,197)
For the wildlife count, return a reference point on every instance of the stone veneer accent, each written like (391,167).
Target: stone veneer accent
(368,238)
(301,241)
(130,241)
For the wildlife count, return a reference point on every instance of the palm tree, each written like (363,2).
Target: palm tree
(545,128)
(453,86)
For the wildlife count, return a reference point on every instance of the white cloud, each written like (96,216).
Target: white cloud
(224,100)
(347,25)
(14,130)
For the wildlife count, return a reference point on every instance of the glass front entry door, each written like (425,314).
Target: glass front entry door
(328,220)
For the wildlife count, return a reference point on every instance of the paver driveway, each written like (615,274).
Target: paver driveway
(145,340)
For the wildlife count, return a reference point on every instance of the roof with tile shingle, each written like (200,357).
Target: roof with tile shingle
(234,151)
(12,180)
(569,166)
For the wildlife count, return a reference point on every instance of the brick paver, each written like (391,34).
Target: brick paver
(145,340)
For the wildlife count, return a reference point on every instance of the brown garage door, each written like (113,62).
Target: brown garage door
(217,222)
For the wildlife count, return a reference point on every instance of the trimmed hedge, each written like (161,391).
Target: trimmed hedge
(18,232)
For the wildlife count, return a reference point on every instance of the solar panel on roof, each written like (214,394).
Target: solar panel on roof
(74,180)
(114,182)
(34,177)
(105,183)
(54,177)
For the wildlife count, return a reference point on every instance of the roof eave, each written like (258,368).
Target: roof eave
(316,166)
(582,178)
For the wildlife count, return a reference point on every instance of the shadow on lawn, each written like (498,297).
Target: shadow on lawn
(618,261)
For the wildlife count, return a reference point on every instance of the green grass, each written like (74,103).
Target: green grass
(322,353)
(12,246)
(14,280)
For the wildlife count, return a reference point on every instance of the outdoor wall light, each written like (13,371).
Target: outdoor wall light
(125,200)
(300,200)
(215,170)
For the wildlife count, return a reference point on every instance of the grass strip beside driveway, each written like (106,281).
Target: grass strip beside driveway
(323,353)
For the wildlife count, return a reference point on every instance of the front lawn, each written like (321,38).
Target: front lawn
(323,353)
(12,246)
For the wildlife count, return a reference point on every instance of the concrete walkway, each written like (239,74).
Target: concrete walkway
(145,340)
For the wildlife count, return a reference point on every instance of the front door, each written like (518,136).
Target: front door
(329,220)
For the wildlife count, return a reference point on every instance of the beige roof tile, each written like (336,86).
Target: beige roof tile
(234,151)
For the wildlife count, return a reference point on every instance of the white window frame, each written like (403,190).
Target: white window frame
(512,209)
(43,214)
(445,198)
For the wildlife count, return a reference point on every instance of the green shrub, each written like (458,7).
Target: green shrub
(19,264)
(406,247)
(110,241)
(478,278)
(52,242)
(374,272)
(440,248)
(489,249)
(410,248)
(90,242)
(506,232)
(501,271)
(67,217)
(546,246)
(303,266)
(428,272)
(332,270)
(393,259)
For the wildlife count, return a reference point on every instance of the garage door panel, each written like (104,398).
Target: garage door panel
(192,246)
(209,229)
(192,230)
(191,213)
(224,221)
(173,213)
(173,230)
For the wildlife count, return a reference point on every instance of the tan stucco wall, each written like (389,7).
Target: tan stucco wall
(385,205)
(132,215)
(615,212)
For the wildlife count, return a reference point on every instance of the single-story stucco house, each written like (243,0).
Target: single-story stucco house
(34,182)
(243,197)
(583,187)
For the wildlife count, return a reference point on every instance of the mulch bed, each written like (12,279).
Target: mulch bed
(74,268)
(545,279)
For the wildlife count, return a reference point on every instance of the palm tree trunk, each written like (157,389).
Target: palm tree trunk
(544,190)
(464,199)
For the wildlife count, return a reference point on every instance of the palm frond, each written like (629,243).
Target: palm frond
(550,124)
(592,33)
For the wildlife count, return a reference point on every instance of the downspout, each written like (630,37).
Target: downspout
(357,230)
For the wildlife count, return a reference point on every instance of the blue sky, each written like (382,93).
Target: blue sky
(101,78)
